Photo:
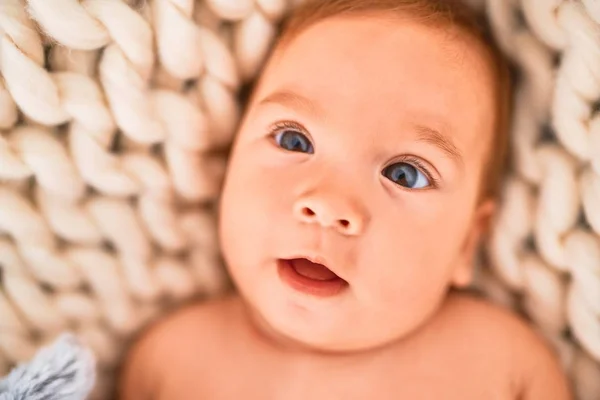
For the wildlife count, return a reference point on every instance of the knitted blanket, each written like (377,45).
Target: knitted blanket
(113,118)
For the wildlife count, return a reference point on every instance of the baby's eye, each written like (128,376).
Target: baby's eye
(406,175)
(293,141)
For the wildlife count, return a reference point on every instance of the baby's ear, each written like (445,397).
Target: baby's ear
(463,273)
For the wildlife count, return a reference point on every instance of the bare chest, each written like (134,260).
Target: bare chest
(247,376)
(443,362)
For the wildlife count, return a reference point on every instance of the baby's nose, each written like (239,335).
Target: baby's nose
(343,216)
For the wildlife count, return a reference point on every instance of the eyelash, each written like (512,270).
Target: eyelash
(408,159)
(282,125)
(420,165)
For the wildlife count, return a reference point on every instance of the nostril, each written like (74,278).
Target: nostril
(344,223)
(308,212)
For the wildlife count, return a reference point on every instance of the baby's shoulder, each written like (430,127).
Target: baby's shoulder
(187,328)
(483,319)
(178,341)
(510,341)
(484,322)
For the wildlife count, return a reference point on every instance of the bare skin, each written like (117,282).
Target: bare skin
(470,350)
(387,126)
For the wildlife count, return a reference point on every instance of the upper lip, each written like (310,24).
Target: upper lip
(315,258)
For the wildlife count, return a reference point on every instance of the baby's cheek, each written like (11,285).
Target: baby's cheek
(253,206)
(409,286)
(241,207)
(408,279)
(408,304)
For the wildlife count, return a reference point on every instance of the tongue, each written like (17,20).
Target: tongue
(312,270)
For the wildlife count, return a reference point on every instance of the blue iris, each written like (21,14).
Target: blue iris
(406,175)
(294,141)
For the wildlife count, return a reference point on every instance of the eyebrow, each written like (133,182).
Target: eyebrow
(294,100)
(441,141)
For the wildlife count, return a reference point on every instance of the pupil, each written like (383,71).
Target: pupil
(402,174)
(294,141)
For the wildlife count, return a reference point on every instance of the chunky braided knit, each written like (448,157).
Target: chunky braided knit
(110,112)
(546,243)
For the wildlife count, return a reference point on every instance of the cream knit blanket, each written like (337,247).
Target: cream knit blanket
(109,114)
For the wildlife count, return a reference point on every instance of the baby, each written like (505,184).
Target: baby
(360,184)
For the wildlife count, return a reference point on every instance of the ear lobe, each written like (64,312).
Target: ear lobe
(463,274)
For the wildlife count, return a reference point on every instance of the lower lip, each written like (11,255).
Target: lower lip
(303,284)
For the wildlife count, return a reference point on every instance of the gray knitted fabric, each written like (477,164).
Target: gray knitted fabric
(65,370)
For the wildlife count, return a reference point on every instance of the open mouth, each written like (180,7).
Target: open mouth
(310,277)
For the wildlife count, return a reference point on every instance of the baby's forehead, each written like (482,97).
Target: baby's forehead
(366,40)
(368,74)
(446,33)
(379,59)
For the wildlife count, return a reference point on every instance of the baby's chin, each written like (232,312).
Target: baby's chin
(341,340)
(333,326)
(356,318)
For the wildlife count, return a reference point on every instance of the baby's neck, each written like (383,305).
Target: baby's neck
(266,335)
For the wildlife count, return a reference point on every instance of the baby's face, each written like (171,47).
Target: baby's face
(363,150)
